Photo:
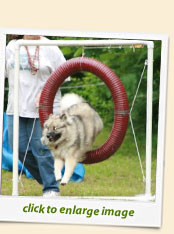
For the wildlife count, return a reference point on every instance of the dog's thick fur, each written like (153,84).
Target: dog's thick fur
(71,134)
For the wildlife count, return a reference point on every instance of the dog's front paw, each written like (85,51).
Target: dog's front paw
(63,182)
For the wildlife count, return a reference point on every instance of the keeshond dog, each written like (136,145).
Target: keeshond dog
(71,134)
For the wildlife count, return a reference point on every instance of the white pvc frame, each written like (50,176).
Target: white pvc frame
(91,43)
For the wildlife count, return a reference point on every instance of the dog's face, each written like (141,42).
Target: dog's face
(54,129)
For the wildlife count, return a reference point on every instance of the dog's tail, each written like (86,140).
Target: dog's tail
(69,100)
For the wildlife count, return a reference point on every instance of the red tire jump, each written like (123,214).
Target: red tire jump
(121,107)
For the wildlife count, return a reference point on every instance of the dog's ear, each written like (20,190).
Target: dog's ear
(66,119)
(63,117)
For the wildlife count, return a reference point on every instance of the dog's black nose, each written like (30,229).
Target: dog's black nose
(52,136)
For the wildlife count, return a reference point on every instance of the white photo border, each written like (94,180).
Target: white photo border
(146,214)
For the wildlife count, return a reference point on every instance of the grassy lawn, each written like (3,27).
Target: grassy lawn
(120,175)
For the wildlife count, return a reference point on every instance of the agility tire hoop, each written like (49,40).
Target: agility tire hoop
(112,81)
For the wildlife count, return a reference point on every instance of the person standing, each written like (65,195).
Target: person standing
(36,65)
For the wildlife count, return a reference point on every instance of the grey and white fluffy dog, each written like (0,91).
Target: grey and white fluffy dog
(71,134)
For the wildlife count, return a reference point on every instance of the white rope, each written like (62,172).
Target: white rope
(145,64)
(20,176)
(132,126)
(138,152)
(76,87)
(83,52)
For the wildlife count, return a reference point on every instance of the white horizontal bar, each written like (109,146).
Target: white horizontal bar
(19,43)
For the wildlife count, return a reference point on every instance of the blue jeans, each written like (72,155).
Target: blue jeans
(39,161)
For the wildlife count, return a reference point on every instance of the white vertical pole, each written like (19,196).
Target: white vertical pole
(16,123)
(2,82)
(149,120)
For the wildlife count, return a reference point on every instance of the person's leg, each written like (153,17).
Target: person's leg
(30,161)
(43,156)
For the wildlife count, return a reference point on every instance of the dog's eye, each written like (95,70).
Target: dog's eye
(55,128)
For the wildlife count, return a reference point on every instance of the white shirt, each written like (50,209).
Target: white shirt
(50,57)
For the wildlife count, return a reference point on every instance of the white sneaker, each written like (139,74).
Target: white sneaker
(51,193)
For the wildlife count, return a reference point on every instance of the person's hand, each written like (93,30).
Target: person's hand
(37,100)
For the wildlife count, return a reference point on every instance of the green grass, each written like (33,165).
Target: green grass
(120,175)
